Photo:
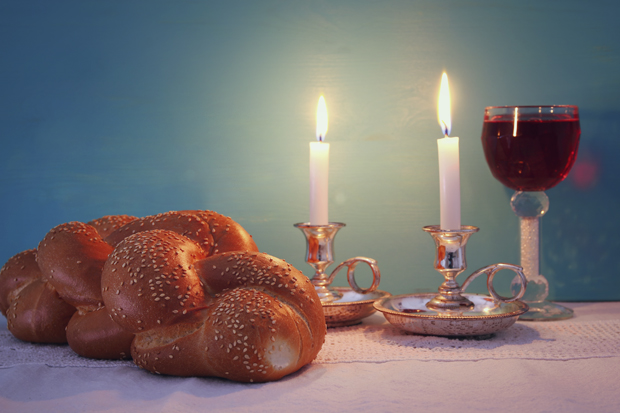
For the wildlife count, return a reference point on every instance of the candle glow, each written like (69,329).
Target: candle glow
(449,169)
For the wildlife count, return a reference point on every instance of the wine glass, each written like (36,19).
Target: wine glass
(531,149)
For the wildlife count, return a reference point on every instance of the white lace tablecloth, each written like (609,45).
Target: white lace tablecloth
(569,340)
(565,366)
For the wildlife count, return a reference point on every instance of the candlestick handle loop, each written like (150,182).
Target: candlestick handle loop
(490,271)
(351,263)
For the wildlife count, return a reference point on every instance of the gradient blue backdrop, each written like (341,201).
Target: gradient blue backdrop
(140,107)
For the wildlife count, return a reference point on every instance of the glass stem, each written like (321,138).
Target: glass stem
(530,246)
(538,287)
(530,207)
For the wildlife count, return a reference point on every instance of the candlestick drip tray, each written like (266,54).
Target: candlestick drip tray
(410,313)
(351,308)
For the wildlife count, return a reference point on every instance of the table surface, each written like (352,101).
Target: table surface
(589,383)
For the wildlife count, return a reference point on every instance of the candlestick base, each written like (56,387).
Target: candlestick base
(410,313)
(352,308)
(451,312)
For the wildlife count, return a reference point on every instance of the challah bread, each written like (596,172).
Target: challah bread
(185,293)
(34,310)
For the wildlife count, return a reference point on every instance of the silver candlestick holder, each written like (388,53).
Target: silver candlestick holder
(342,306)
(451,312)
(450,261)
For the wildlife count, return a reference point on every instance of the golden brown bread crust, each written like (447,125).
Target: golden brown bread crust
(150,280)
(276,278)
(227,234)
(94,334)
(212,231)
(16,273)
(32,306)
(246,337)
(254,336)
(41,288)
(110,223)
(159,350)
(38,314)
(71,257)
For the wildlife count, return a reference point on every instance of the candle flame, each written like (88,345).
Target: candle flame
(321,120)
(443,107)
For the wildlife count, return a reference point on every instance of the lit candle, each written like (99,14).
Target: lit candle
(319,169)
(449,174)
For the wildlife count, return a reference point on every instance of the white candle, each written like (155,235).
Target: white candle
(319,169)
(449,183)
(449,170)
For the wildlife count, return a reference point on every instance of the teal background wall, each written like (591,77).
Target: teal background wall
(140,107)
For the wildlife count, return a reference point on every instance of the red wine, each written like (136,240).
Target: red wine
(537,158)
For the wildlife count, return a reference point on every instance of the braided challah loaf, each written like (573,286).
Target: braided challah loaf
(185,292)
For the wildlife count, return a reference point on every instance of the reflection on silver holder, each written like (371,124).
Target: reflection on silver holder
(341,306)
(451,312)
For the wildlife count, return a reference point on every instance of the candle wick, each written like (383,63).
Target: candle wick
(444,129)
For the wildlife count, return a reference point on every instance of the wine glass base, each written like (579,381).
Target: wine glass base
(546,311)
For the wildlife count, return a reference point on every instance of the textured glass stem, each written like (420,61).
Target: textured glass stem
(530,246)
(538,287)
